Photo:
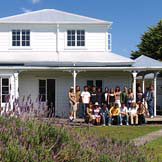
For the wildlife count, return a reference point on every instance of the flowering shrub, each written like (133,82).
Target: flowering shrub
(31,140)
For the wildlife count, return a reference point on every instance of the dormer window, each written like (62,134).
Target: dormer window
(75,38)
(21,38)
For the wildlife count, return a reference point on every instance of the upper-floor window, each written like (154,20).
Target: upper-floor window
(76,38)
(21,38)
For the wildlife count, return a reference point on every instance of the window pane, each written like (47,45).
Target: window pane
(73,43)
(99,83)
(42,83)
(42,90)
(73,32)
(82,37)
(5,98)
(82,43)
(69,43)
(78,32)
(27,43)
(82,32)
(5,90)
(69,37)
(18,43)
(78,43)
(5,82)
(69,32)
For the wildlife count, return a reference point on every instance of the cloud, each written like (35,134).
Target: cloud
(35,1)
(25,10)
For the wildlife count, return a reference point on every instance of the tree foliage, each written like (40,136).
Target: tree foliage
(151,43)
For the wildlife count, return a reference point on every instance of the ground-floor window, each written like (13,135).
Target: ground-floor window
(91,83)
(42,90)
(5,90)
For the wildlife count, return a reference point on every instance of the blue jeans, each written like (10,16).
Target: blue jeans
(105,118)
(84,112)
(124,117)
(150,108)
(117,118)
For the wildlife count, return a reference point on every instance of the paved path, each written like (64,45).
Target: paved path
(147,138)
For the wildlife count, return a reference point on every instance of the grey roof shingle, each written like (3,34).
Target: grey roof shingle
(51,16)
(144,61)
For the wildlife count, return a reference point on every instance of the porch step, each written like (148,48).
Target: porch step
(155,120)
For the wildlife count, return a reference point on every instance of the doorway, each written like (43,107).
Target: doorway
(47,94)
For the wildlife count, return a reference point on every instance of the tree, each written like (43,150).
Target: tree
(151,43)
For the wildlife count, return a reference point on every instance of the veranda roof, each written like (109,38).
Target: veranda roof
(83,59)
(144,61)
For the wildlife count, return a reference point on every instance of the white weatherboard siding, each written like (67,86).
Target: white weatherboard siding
(28,84)
(43,37)
(95,36)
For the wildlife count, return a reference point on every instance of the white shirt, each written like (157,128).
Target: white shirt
(106,94)
(133,110)
(124,110)
(85,95)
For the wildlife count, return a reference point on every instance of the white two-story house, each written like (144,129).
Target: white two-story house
(43,53)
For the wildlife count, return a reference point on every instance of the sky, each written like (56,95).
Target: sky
(131,18)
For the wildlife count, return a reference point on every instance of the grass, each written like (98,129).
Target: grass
(120,132)
(156,147)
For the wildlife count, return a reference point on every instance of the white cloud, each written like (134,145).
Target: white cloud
(25,10)
(35,1)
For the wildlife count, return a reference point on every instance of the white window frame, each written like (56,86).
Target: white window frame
(9,92)
(109,42)
(20,47)
(75,47)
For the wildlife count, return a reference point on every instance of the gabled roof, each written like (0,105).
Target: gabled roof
(64,58)
(144,61)
(51,16)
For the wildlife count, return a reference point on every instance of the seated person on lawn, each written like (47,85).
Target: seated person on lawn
(104,112)
(133,113)
(124,114)
(90,117)
(96,110)
(141,113)
(114,114)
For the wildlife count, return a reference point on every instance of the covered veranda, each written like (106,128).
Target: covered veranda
(142,66)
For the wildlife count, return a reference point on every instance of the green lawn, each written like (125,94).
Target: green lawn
(156,147)
(120,132)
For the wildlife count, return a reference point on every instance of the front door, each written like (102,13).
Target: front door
(47,94)
(51,92)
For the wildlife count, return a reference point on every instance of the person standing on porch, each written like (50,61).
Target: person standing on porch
(111,98)
(99,96)
(139,95)
(93,95)
(85,99)
(117,96)
(105,96)
(149,97)
(130,98)
(124,96)
(78,99)
(73,104)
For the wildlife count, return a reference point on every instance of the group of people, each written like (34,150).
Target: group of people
(111,106)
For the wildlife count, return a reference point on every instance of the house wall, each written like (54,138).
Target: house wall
(43,37)
(28,84)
